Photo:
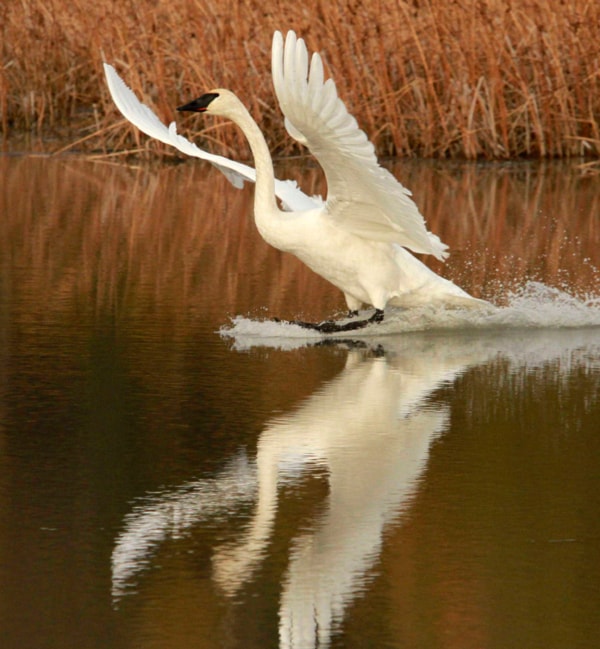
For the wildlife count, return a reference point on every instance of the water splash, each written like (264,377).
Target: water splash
(534,305)
(538,305)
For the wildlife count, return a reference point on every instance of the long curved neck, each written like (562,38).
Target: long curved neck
(264,192)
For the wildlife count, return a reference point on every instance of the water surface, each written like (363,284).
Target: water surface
(178,471)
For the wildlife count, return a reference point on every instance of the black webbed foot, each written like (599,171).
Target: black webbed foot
(330,326)
(377,316)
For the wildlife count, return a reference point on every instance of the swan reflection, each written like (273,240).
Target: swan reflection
(370,431)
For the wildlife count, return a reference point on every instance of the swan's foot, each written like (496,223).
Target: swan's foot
(330,326)
(377,316)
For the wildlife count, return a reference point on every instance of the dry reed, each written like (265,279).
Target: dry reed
(437,78)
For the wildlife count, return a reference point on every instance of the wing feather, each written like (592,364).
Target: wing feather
(237,173)
(363,197)
(315,80)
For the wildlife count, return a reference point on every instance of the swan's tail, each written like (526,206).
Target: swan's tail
(468,302)
(440,296)
(420,286)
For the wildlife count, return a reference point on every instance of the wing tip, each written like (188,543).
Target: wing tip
(277,40)
(110,73)
(438,248)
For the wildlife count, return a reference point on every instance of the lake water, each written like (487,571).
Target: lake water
(176,470)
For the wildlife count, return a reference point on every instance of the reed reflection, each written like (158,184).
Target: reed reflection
(140,241)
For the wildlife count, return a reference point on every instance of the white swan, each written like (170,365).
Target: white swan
(357,238)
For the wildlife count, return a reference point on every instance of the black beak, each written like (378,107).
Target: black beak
(199,105)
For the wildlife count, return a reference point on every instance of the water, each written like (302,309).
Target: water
(176,470)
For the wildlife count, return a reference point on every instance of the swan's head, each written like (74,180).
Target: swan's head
(216,102)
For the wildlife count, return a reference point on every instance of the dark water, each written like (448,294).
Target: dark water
(170,477)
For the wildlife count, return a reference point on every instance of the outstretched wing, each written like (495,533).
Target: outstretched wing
(363,197)
(141,116)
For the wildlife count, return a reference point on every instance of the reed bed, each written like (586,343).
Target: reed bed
(490,79)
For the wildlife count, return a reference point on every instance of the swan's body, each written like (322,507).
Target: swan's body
(357,238)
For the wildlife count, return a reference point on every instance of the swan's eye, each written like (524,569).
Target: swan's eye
(200,104)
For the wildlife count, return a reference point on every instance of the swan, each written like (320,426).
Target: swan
(358,238)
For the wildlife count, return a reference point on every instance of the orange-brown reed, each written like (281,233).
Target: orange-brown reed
(435,78)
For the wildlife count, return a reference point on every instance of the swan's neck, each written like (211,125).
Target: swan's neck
(265,205)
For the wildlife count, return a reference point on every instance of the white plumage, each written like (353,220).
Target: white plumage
(357,238)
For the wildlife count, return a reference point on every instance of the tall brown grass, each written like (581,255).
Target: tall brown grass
(436,78)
